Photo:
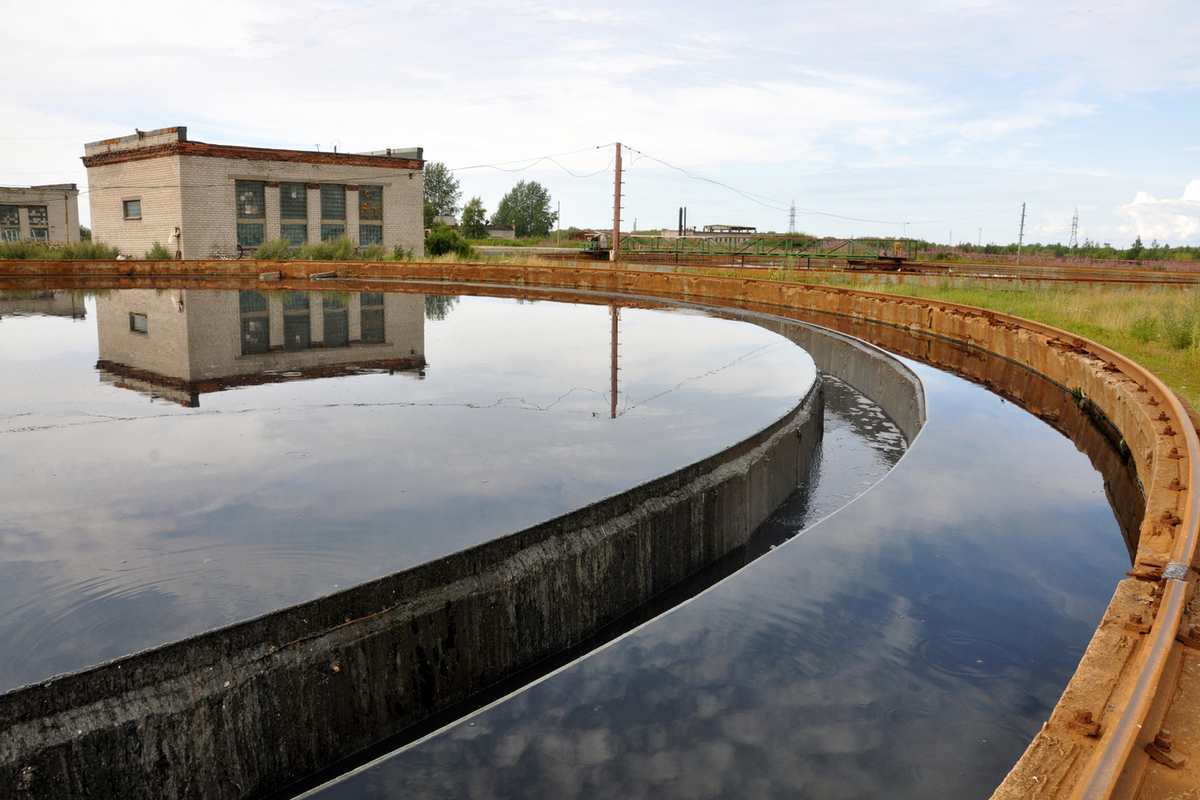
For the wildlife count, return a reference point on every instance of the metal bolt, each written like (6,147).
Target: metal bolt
(1163,739)
(1083,716)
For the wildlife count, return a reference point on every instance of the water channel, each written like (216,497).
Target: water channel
(907,643)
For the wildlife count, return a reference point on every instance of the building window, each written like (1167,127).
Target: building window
(293,213)
(256,327)
(370,215)
(250,234)
(10,223)
(251,199)
(293,201)
(329,231)
(251,205)
(337,321)
(297,330)
(371,310)
(39,234)
(333,201)
(132,208)
(38,216)
(370,234)
(138,323)
(295,233)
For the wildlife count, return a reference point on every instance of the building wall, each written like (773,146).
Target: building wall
(62,212)
(210,206)
(163,348)
(155,183)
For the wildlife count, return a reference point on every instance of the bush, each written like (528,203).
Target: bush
(1181,322)
(275,250)
(1144,328)
(340,249)
(441,241)
(158,253)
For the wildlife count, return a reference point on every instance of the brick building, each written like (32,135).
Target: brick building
(211,201)
(41,213)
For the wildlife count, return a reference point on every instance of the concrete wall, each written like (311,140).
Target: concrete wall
(244,710)
(155,183)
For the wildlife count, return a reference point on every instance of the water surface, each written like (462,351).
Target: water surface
(167,472)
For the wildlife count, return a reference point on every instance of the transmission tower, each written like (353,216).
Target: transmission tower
(792,219)
(1074,231)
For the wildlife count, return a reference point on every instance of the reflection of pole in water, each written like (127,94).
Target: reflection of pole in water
(615,313)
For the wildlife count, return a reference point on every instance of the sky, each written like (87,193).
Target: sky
(934,118)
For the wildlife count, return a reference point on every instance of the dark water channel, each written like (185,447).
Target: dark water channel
(175,460)
(908,646)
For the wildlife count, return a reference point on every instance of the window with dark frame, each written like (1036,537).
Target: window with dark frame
(138,323)
(293,213)
(132,209)
(251,205)
(370,215)
(10,223)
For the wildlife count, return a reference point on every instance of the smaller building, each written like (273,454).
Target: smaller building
(40,213)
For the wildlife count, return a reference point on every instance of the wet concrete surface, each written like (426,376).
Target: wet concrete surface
(909,646)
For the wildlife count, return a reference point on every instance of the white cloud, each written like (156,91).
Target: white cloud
(1172,220)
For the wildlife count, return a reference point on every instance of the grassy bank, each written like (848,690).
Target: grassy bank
(1158,327)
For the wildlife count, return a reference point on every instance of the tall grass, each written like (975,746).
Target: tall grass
(85,250)
(1156,326)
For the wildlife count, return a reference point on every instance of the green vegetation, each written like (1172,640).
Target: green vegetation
(85,250)
(1158,327)
(1042,253)
(158,253)
(474,219)
(442,192)
(442,240)
(527,208)
(438,306)
(340,249)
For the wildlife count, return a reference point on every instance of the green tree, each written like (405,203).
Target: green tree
(474,219)
(1135,251)
(527,209)
(441,192)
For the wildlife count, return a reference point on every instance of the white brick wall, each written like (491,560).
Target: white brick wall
(155,182)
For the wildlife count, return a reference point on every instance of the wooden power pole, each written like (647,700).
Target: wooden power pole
(615,254)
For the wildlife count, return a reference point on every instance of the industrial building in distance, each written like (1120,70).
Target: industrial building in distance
(40,213)
(218,201)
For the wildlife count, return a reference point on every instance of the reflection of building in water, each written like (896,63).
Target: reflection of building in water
(181,343)
(44,303)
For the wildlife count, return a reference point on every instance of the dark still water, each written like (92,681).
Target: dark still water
(908,646)
(177,460)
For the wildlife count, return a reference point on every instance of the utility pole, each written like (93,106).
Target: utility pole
(558,224)
(792,219)
(1021,237)
(614,311)
(1074,243)
(615,254)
